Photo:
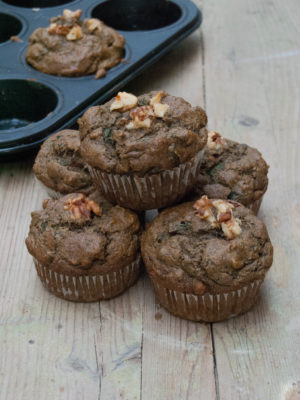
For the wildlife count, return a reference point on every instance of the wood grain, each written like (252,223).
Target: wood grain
(252,95)
(177,356)
(243,66)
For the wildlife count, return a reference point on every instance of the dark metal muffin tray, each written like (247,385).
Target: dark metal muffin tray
(33,104)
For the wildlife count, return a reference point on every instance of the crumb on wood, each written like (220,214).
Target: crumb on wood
(158,316)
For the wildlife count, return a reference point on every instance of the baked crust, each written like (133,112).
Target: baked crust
(59,165)
(186,253)
(165,140)
(233,171)
(69,238)
(93,52)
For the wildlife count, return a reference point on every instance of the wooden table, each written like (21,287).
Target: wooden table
(243,68)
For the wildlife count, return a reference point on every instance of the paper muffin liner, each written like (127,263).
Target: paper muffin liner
(86,288)
(208,307)
(149,192)
(255,205)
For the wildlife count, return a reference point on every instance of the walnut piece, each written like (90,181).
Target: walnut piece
(94,24)
(124,101)
(159,109)
(203,207)
(82,206)
(15,39)
(75,33)
(141,118)
(225,219)
(230,226)
(55,29)
(214,140)
(68,14)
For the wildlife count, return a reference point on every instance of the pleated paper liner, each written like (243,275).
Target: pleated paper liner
(149,192)
(255,205)
(86,288)
(208,307)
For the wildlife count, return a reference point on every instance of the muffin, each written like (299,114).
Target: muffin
(143,152)
(208,259)
(84,250)
(74,47)
(60,167)
(231,170)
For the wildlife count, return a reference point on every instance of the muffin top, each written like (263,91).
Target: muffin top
(231,170)
(60,166)
(74,47)
(207,246)
(77,235)
(142,135)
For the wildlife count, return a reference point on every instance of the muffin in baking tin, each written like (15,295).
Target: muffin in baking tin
(73,47)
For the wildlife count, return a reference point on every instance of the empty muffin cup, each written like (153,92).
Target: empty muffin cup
(9,26)
(134,15)
(22,103)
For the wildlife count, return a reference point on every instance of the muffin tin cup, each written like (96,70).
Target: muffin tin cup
(208,307)
(89,287)
(35,104)
(255,205)
(150,192)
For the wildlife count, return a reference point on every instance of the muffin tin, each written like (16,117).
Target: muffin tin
(33,105)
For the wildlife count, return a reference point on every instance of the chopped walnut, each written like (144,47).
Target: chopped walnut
(68,14)
(82,206)
(214,140)
(157,98)
(94,24)
(225,219)
(15,39)
(55,29)
(101,72)
(124,101)
(141,118)
(75,33)
(203,207)
(223,207)
(159,109)
(231,228)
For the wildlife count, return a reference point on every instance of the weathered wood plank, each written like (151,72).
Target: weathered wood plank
(177,357)
(118,343)
(252,65)
(46,344)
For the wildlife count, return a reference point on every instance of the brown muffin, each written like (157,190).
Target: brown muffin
(71,47)
(231,170)
(84,250)
(144,152)
(60,167)
(208,259)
